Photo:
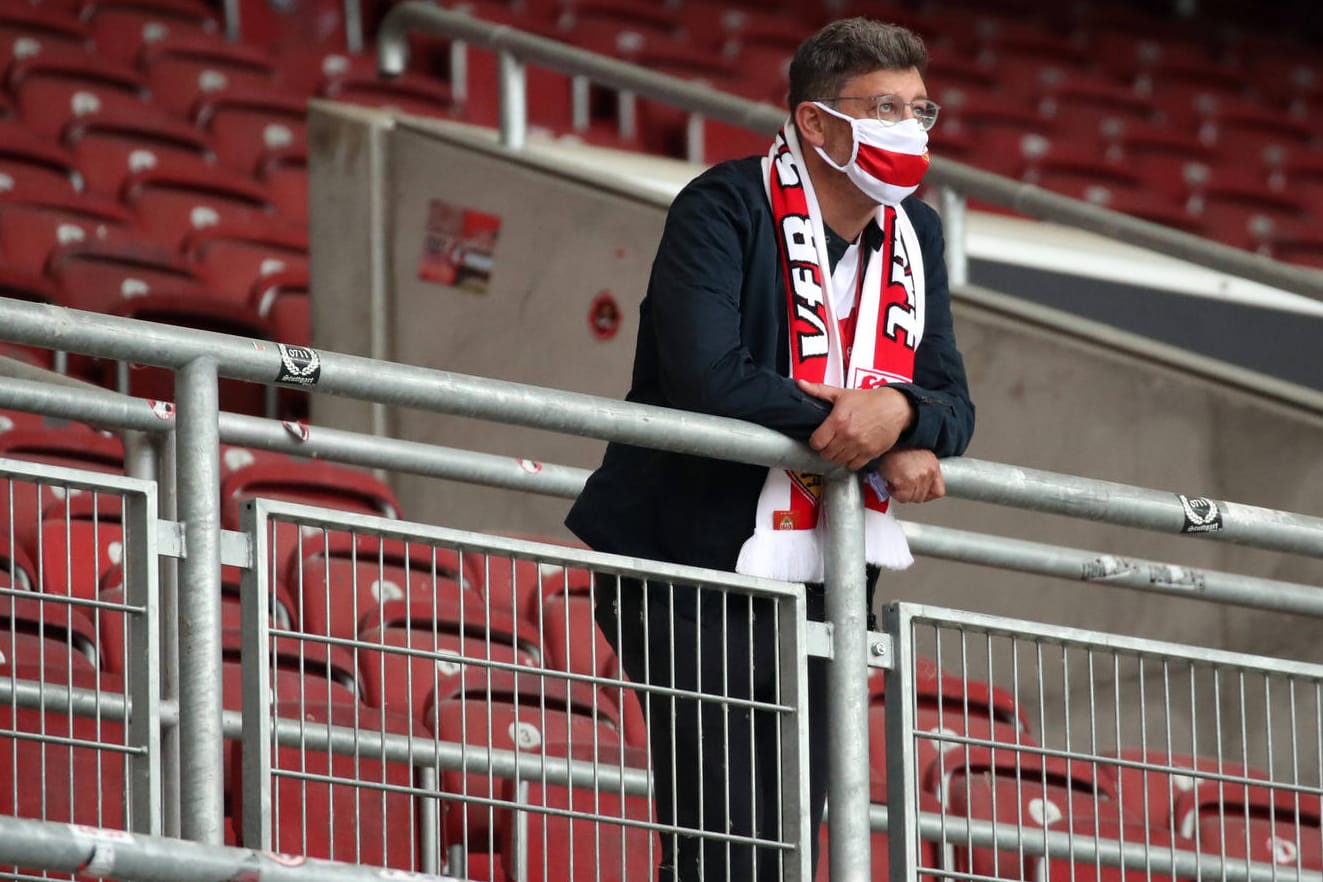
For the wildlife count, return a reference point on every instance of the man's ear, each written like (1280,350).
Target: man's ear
(809,121)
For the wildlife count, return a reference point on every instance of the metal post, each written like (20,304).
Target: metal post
(200,735)
(166,463)
(143,685)
(514,102)
(353,26)
(847,680)
(381,236)
(954,209)
(256,673)
(233,27)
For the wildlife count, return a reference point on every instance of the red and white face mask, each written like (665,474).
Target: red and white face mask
(887,162)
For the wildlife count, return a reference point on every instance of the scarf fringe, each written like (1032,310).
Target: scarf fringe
(788,555)
(885,539)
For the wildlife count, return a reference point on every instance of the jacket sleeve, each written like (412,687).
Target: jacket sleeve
(944,413)
(695,297)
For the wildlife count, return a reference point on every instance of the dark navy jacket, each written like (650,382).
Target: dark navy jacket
(713,339)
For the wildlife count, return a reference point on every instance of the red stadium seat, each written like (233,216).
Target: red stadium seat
(559,847)
(935,687)
(30,230)
(68,634)
(81,539)
(27,29)
(233,259)
(393,556)
(1024,790)
(1151,783)
(521,585)
(57,83)
(115,143)
(339,596)
(374,822)
(174,198)
(1258,822)
(99,275)
(282,299)
(196,12)
(123,33)
(185,69)
(511,712)
(880,849)
(22,152)
(246,124)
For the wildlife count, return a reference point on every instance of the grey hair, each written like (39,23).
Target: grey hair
(846,49)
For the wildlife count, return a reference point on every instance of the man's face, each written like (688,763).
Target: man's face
(907,85)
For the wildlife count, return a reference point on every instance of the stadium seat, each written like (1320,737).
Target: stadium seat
(81,539)
(195,12)
(285,174)
(50,87)
(1258,822)
(122,33)
(1150,783)
(234,259)
(99,275)
(366,815)
(28,29)
(31,229)
(521,585)
(187,68)
(175,197)
(67,632)
(282,299)
(339,596)
(936,686)
(24,153)
(16,565)
(393,557)
(244,124)
(559,848)
(112,144)
(1026,791)
(880,849)
(204,312)
(510,712)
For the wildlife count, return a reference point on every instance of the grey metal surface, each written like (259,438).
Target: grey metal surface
(392,48)
(514,101)
(168,583)
(143,674)
(847,679)
(202,812)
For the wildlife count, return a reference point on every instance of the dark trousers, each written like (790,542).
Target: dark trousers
(716,768)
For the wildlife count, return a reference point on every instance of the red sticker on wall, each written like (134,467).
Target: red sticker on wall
(604,316)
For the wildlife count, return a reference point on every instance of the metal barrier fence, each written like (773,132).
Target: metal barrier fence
(468,719)
(79,648)
(189,452)
(1143,760)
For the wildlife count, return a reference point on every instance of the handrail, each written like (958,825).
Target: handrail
(393,56)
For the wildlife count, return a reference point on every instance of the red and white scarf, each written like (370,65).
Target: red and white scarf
(888,325)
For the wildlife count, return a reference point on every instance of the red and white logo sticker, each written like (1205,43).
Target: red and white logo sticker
(285,860)
(530,466)
(866,378)
(297,428)
(164,410)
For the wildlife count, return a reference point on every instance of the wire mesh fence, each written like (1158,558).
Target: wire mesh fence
(457,703)
(1016,751)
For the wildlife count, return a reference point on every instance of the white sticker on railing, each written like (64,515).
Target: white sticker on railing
(525,735)
(1284,851)
(1045,812)
(115,552)
(384,590)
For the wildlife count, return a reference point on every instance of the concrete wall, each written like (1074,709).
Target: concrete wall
(1046,399)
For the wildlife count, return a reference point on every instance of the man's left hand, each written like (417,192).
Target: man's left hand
(863,423)
(913,475)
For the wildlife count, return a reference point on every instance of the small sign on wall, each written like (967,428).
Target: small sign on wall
(458,246)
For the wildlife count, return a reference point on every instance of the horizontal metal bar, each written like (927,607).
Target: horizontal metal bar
(61,476)
(114,854)
(1108,569)
(371,451)
(392,55)
(1132,506)
(554,410)
(1161,860)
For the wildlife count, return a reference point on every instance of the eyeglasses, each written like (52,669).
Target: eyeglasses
(889,109)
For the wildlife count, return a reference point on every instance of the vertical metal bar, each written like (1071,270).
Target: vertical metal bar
(514,101)
(902,777)
(256,675)
(847,679)
(429,817)
(954,213)
(353,26)
(200,735)
(168,604)
(381,232)
(233,33)
(580,101)
(144,725)
(792,679)
(695,148)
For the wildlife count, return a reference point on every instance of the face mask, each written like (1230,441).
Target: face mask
(887,161)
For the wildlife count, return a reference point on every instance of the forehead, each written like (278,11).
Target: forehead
(907,84)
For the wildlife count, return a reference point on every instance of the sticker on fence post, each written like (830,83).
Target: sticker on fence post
(1202,515)
(299,365)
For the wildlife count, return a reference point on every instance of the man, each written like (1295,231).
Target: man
(804,291)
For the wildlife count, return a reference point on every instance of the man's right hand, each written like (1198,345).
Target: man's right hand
(863,423)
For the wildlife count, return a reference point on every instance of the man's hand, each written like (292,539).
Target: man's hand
(863,423)
(913,475)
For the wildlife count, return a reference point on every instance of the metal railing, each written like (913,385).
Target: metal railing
(202,357)
(959,182)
